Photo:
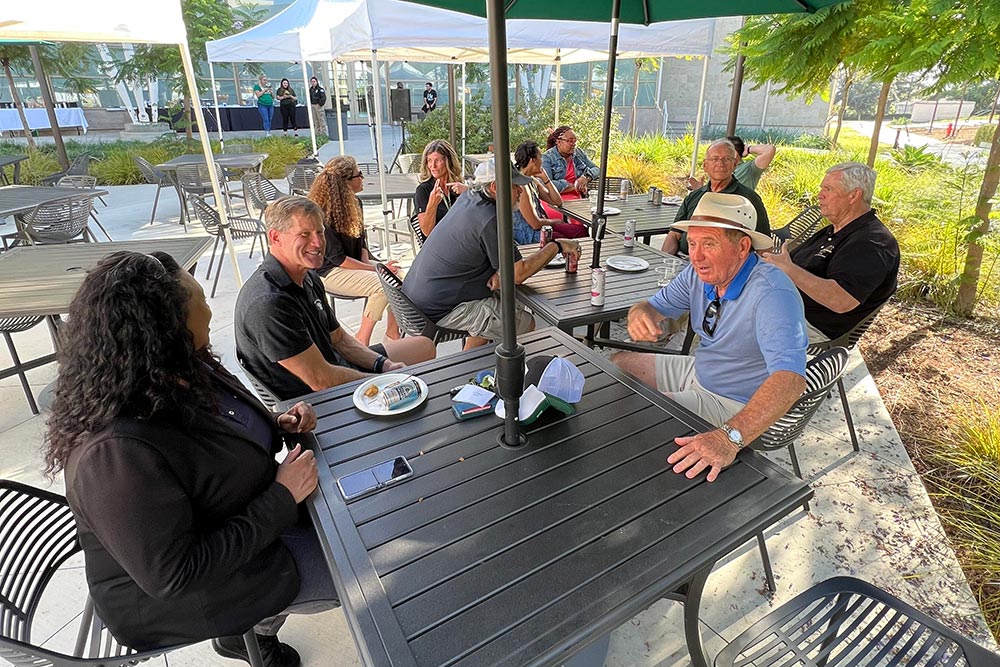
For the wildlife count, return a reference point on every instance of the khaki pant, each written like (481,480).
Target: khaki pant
(815,335)
(675,377)
(354,282)
(319,118)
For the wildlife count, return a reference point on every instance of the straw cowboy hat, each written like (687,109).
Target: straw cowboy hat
(716,209)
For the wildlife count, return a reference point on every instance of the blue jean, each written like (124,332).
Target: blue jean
(266,111)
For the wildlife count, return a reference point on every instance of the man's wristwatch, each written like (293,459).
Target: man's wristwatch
(734,436)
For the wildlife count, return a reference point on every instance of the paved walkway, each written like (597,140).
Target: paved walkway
(870,518)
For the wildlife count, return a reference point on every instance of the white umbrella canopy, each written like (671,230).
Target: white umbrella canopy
(115,21)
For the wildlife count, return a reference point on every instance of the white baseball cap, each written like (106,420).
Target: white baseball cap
(486,173)
(725,211)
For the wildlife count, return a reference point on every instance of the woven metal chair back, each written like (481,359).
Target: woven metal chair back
(80,182)
(80,165)
(233,149)
(196,178)
(300,177)
(612,185)
(368,168)
(822,373)
(410,319)
(846,621)
(207,215)
(801,227)
(258,190)
(418,233)
(58,221)
(849,339)
(409,163)
(150,173)
(267,397)
(13,325)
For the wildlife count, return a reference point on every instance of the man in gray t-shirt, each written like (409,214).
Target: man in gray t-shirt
(454,279)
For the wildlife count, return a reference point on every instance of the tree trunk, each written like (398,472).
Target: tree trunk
(18,104)
(965,301)
(883,97)
(187,116)
(993,110)
(517,84)
(635,95)
(50,108)
(843,108)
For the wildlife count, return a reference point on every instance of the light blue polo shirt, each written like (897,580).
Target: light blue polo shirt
(760,327)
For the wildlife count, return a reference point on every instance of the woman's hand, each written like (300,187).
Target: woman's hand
(582,184)
(393,266)
(458,187)
(297,473)
(300,418)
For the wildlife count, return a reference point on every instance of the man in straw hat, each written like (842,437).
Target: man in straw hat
(750,366)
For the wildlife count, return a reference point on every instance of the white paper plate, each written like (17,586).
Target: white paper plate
(557,262)
(610,197)
(371,405)
(626,263)
(608,210)
(674,200)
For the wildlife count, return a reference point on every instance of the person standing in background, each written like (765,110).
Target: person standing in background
(265,102)
(287,100)
(317,100)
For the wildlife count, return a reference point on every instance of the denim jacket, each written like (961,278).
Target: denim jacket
(554,165)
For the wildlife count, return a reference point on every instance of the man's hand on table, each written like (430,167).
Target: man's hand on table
(644,323)
(568,247)
(300,418)
(391,365)
(712,450)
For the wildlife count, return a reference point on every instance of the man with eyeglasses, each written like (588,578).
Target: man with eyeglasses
(750,366)
(568,167)
(848,269)
(454,279)
(720,163)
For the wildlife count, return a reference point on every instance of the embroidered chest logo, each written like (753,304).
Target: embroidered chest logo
(319,305)
(825,251)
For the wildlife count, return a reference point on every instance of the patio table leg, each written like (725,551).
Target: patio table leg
(692,627)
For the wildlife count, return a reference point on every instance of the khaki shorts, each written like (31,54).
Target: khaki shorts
(815,335)
(482,318)
(675,377)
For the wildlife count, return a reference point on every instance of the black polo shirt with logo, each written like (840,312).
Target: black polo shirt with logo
(863,257)
(276,319)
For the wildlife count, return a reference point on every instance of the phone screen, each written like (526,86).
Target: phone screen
(378,475)
(392,471)
(357,483)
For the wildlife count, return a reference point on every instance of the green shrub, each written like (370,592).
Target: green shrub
(914,158)
(984,135)
(40,163)
(640,172)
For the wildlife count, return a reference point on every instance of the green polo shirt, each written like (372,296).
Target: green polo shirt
(734,188)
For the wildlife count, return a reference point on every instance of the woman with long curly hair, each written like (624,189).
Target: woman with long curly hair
(440,184)
(190,529)
(348,267)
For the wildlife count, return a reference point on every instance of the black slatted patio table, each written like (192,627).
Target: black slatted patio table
(650,219)
(491,556)
(563,299)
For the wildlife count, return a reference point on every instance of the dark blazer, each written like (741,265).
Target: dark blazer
(180,527)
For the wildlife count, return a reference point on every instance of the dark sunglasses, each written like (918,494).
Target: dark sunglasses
(711,319)
(357,175)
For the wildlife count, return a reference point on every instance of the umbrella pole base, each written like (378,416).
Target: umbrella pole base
(522,440)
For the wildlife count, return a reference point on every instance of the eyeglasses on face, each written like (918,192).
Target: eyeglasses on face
(568,140)
(711,319)
(719,159)
(357,175)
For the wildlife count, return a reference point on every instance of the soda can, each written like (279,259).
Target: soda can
(598,279)
(399,394)
(658,197)
(572,261)
(652,192)
(626,187)
(629,235)
(545,236)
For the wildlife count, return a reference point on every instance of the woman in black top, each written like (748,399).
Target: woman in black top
(348,267)
(190,529)
(286,100)
(441,184)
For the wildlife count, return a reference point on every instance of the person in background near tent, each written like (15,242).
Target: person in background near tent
(348,266)
(440,184)
(265,102)
(430,98)
(569,167)
(317,100)
(286,100)
(749,171)
(529,216)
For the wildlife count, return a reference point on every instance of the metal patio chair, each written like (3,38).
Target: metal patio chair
(154,177)
(13,325)
(801,227)
(232,149)
(258,192)
(80,166)
(85,183)
(300,177)
(412,322)
(60,221)
(239,228)
(38,535)
(195,179)
(844,621)
(418,234)
(267,397)
(408,163)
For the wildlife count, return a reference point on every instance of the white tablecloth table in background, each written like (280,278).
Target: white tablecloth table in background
(38,119)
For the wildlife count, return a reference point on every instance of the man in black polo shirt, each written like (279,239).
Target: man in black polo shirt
(847,269)
(286,334)
(721,159)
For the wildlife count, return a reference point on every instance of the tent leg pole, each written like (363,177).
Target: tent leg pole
(377,118)
(215,103)
(464,84)
(336,100)
(305,82)
(213,175)
(699,117)
(558,82)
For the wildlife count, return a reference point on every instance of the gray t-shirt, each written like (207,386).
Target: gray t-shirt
(457,259)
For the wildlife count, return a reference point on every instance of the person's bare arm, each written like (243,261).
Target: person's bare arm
(714,451)
(349,348)
(524,206)
(313,369)
(824,291)
(763,155)
(548,192)
(672,243)
(356,265)
(525,268)
(428,219)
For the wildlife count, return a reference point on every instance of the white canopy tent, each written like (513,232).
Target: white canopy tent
(115,21)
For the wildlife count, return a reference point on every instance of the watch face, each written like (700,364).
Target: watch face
(735,435)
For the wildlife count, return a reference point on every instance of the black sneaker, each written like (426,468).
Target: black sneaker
(274,653)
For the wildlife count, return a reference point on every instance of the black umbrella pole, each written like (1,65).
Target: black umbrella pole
(609,91)
(510,355)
